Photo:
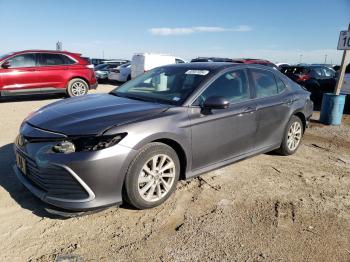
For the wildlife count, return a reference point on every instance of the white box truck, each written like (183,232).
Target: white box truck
(143,62)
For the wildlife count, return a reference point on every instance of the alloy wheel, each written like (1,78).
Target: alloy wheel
(156,178)
(294,136)
(78,88)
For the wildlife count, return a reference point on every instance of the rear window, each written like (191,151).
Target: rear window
(295,70)
(55,59)
(101,67)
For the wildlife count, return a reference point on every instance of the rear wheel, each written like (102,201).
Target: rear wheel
(77,87)
(152,176)
(292,137)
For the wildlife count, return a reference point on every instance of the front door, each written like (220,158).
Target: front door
(224,133)
(21,73)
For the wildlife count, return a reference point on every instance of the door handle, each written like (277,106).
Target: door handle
(289,101)
(249,109)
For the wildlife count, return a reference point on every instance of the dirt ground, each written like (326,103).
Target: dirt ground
(267,208)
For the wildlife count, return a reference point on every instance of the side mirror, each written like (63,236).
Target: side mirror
(216,102)
(6,64)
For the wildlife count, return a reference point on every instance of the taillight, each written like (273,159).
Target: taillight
(90,66)
(303,78)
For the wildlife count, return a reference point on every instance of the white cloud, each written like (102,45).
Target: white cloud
(165,31)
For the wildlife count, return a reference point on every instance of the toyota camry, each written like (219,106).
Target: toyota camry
(173,122)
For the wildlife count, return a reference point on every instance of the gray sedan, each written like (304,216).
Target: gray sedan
(173,122)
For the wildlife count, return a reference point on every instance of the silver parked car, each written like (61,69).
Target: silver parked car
(173,122)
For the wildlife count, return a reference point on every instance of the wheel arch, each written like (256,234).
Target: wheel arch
(180,153)
(302,117)
(77,77)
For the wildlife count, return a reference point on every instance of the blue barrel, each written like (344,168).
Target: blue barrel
(332,109)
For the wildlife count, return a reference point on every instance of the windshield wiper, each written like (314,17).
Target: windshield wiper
(144,99)
(130,96)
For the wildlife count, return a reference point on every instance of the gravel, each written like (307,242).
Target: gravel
(266,208)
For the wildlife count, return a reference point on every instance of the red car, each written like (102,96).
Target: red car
(40,71)
(254,61)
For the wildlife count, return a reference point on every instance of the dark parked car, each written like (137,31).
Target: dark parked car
(236,60)
(40,71)
(175,121)
(316,79)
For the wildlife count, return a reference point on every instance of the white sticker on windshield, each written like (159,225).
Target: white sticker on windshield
(197,72)
(176,98)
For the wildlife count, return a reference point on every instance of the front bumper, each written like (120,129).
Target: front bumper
(94,86)
(78,181)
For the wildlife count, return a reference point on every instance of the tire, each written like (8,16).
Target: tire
(146,189)
(77,87)
(294,132)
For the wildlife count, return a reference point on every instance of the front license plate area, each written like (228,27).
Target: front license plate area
(21,163)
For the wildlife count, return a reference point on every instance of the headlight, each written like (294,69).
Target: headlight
(83,144)
(65,147)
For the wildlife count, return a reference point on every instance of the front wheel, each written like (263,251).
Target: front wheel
(152,176)
(292,136)
(77,87)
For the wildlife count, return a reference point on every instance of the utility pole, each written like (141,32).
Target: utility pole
(325,59)
(300,58)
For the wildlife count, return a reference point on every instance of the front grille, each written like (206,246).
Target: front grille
(54,180)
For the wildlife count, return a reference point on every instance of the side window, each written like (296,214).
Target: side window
(264,82)
(55,59)
(328,72)
(318,71)
(25,60)
(280,85)
(232,85)
(67,60)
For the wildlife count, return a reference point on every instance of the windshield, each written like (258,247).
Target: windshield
(294,70)
(126,64)
(5,55)
(169,85)
(101,67)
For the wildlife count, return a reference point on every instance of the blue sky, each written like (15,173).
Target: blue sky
(277,30)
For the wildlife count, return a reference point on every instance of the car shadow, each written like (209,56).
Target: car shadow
(17,191)
(38,97)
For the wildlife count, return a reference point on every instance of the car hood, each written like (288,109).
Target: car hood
(92,114)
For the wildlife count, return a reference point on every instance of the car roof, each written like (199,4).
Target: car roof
(217,66)
(213,58)
(43,51)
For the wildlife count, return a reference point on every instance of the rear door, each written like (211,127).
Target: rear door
(53,69)
(21,74)
(273,107)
